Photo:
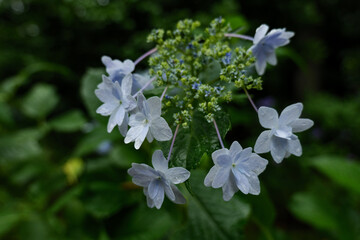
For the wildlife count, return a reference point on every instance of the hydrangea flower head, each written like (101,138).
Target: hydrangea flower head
(159,180)
(265,45)
(235,169)
(280,140)
(117,70)
(117,102)
(147,122)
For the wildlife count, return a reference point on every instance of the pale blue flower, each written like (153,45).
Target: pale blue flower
(147,122)
(117,102)
(235,169)
(280,140)
(265,45)
(117,70)
(159,180)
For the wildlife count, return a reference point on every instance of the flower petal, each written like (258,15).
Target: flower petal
(149,137)
(254,184)
(219,152)
(126,84)
(260,65)
(268,117)
(104,95)
(133,133)
(154,104)
(256,164)
(229,188)
(136,119)
(271,58)
(177,175)
(235,148)
(141,137)
(278,148)
(160,129)
(128,66)
(221,177)
(294,147)
(224,161)
(262,144)
(107,108)
(260,33)
(179,198)
(159,198)
(168,191)
(154,188)
(241,181)
(159,162)
(142,170)
(290,113)
(123,128)
(116,118)
(301,124)
(210,176)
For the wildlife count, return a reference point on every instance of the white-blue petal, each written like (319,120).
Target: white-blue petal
(262,144)
(159,162)
(160,129)
(268,117)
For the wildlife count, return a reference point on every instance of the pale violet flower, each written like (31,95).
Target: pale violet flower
(159,180)
(235,169)
(265,45)
(147,122)
(117,102)
(280,140)
(117,70)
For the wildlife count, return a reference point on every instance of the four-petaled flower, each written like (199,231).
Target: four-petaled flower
(280,140)
(117,70)
(265,45)
(159,180)
(117,102)
(235,169)
(147,122)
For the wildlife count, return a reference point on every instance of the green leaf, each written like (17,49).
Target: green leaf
(71,121)
(104,199)
(147,224)
(40,101)
(210,217)
(314,210)
(191,144)
(20,145)
(211,72)
(8,220)
(89,83)
(340,170)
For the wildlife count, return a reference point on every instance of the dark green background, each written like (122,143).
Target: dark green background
(50,65)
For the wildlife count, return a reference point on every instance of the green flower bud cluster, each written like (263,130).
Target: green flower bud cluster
(199,67)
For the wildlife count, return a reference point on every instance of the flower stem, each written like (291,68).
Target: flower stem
(163,94)
(145,86)
(251,101)
(239,36)
(218,134)
(173,141)
(145,55)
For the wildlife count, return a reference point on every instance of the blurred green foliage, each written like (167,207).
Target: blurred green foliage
(64,177)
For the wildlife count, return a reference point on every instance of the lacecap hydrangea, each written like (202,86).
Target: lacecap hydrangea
(193,73)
